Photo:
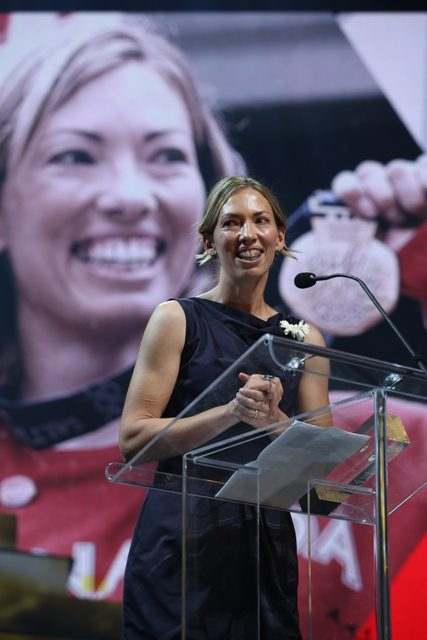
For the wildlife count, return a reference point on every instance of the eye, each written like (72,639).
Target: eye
(228,223)
(168,155)
(263,220)
(72,157)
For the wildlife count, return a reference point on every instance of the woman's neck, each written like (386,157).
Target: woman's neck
(246,296)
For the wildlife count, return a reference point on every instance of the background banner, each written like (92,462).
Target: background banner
(328,112)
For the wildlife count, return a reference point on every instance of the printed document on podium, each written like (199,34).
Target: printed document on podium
(279,476)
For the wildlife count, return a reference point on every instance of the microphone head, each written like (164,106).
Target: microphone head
(305,280)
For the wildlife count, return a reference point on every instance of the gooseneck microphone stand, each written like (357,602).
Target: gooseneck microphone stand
(303,281)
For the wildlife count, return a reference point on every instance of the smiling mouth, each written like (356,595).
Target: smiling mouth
(249,254)
(126,253)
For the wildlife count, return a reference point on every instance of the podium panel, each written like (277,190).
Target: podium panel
(359,470)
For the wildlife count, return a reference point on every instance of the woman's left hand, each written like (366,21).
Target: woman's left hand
(256,403)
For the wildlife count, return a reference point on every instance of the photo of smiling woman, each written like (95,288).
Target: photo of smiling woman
(106,152)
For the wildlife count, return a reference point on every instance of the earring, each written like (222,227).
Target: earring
(206,256)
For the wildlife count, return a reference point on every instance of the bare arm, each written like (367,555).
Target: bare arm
(313,389)
(150,389)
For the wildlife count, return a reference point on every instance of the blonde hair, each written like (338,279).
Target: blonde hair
(48,77)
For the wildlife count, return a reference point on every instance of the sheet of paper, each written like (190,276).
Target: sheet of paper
(279,476)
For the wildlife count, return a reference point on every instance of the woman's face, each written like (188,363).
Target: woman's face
(246,236)
(98,216)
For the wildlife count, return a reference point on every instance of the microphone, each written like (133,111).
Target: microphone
(307,279)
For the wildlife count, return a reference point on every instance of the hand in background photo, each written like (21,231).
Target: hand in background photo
(396,194)
(391,191)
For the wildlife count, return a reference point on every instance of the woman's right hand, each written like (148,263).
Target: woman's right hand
(256,403)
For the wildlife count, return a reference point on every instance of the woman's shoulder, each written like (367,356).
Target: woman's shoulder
(164,315)
(165,332)
(171,309)
(314,336)
(194,305)
(183,312)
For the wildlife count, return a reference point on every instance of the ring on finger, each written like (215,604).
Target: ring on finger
(256,413)
(268,376)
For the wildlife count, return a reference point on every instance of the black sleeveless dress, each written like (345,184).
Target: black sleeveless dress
(223,604)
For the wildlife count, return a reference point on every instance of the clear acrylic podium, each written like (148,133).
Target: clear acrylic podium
(359,470)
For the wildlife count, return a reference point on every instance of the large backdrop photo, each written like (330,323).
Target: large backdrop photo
(313,104)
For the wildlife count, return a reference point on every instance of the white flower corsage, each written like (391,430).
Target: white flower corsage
(298,331)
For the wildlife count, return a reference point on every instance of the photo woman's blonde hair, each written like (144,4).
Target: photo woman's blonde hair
(46,78)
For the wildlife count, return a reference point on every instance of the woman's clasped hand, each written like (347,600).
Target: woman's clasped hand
(257,401)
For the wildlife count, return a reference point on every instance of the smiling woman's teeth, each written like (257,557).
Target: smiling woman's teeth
(122,252)
(249,255)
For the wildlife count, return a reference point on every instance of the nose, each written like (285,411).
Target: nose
(247,231)
(128,193)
